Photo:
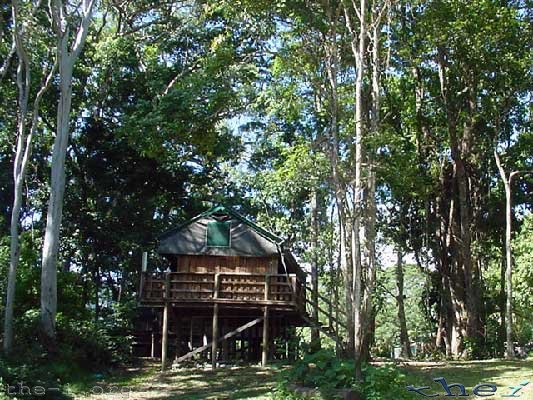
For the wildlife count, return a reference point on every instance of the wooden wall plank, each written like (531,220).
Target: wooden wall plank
(226,264)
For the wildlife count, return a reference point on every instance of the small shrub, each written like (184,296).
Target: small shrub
(327,373)
(383,382)
(83,349)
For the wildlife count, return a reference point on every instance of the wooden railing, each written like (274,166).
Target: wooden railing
(222,287)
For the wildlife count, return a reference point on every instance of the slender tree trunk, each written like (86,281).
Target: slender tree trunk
(502,301)
(358,46)
(370,200)
(22,157)
(57,189)
(66,58)
(340,191)
(19,170)
(444,234)
(507,181)
(347,243)
(315,335)
(404,335)
(509,354)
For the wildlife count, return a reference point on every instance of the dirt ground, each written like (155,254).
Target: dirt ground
(145,382)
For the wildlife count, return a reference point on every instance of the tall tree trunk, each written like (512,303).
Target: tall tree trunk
(22,157)
(463,286)
(358,46)
(502,300)
(445,219)
(315,334)
(404,335)
(66,58)
(507,181)
(57,188)
(19,169)
(370,198)
(339,185)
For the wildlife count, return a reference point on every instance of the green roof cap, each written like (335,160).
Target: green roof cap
(221,209)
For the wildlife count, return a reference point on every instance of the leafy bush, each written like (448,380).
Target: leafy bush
(26,378)
(383,383)
(327,373)
(83,348)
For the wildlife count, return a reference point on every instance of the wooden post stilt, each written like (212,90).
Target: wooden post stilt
(214,344)
(164,333)
(177,328)
(264,355)
(164,338)
(152,350)
(225,342)
(144,268)
(191,344)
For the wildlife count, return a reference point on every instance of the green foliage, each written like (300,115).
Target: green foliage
(384,382)
(523,281)
(83,348)
(322,370)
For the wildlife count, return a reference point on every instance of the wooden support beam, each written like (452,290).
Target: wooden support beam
(214,342)
(225,344)
(164,338)
(152,350)
(191,339)
(177,329)
(330,316)
(264,355)
(144,268)
(327,332)
(164,333)
(266,339)
(226,336)
(144,261)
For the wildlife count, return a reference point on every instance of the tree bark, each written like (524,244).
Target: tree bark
(404,335)
(22,157)
(19,168)
(339,185)
(502,304)
(463,288)
(315,334)
(66,58)
(358,46)
(507,182)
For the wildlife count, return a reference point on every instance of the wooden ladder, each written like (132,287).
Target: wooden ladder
(226,336)
(328,330)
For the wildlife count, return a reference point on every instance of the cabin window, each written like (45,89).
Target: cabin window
(218,234)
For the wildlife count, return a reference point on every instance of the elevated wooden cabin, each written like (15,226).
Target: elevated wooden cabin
(233,292)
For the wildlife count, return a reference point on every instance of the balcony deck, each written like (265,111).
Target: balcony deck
(187,289)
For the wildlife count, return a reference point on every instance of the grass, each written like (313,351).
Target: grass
(470,373)
(254,383)
(249,382)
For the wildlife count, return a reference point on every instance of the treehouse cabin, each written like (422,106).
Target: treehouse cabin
(231,292)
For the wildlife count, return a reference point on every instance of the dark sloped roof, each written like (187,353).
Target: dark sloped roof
(246,237)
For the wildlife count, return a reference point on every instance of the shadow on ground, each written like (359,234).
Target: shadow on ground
(470,373)
(236,383)
(254,383)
